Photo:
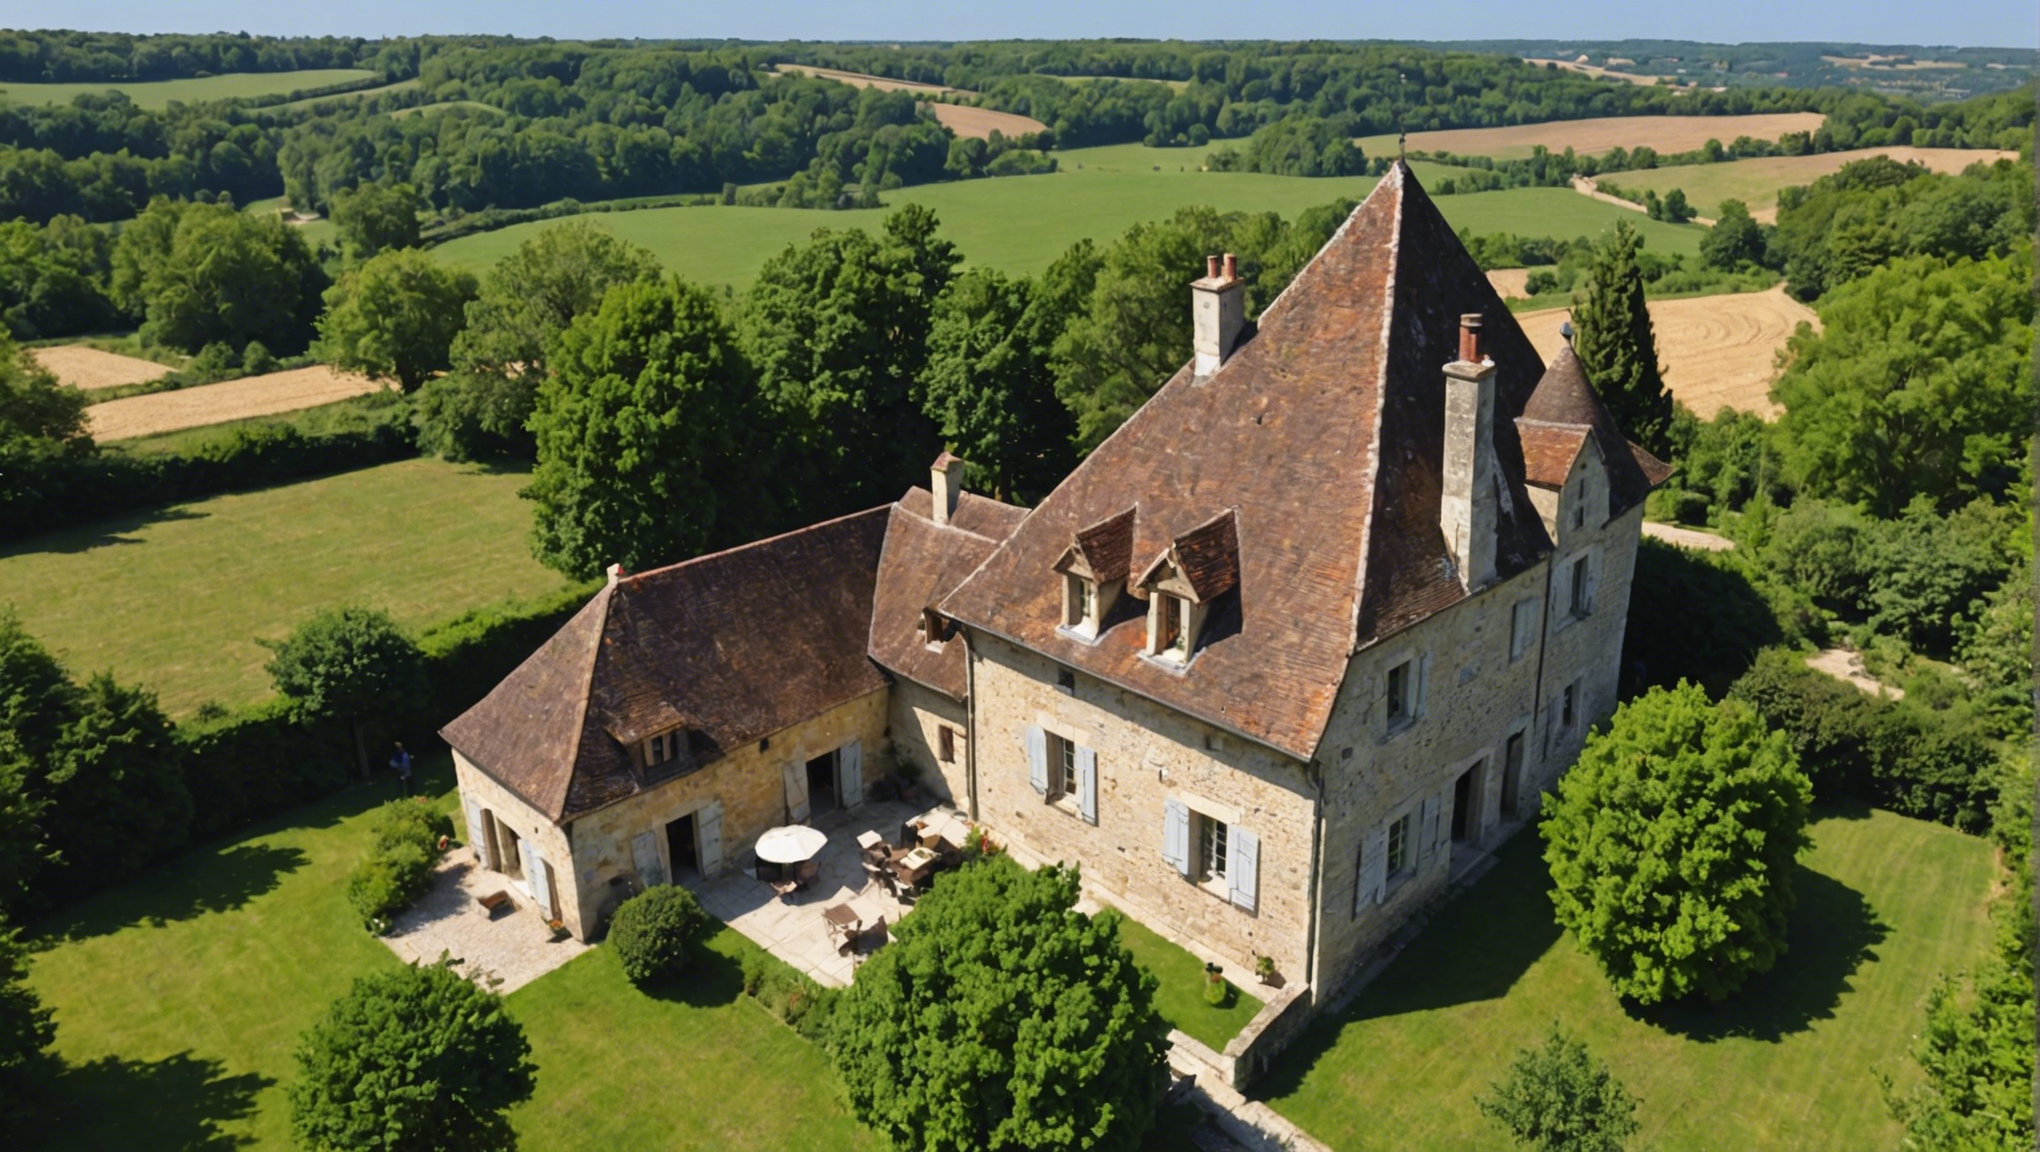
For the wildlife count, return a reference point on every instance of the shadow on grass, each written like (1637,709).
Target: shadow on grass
(101,534)
(178,1102)
(711,980)
(1830,934)
(221,879)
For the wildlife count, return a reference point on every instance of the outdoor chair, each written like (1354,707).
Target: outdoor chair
(806,873)
(878,938)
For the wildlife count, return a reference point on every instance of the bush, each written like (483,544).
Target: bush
(1219,992)
(802,1004)
(653,931)
(403,849)
(1558,1098)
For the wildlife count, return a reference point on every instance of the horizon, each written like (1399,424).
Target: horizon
(1957,24)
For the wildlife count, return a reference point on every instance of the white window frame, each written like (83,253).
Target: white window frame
(662,748)
(1169,635)
(1403,869)
(1080,604)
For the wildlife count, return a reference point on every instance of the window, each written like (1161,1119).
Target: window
(945,744)
(1580,600)
(1567,705)
(662,748)
(1080,604)
(1399,846)
(1171,633)
(934,630)
(1522,628)
(1399,694)
(1066,681)
(1579,510)
(1062,766)
(1211,847)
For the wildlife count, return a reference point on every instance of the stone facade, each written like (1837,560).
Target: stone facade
(1146,755)
(493,813)
(919,714)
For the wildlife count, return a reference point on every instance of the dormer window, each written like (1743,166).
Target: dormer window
(1094,574)
(1170,631)
(934,629)
(1080,604)
(663,748)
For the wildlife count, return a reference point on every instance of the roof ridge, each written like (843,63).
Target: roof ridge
(736,548)
(1373,474)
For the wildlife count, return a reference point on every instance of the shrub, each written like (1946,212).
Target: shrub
(403,848)
(1219,992)
(653,931)
(1558,1098)
(802,1004)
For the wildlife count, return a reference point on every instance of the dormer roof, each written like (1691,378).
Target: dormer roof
(1207,558)
(1324,435)
(1565,405)
(1103,551)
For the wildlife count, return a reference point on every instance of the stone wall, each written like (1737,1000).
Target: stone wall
(746,789)
(481,793)
(1146,755)
(919,713)
(1471,696)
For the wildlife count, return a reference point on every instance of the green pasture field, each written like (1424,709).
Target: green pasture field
(175,598)
(1020,224)
(159,93)
(1886,904)
(356,94)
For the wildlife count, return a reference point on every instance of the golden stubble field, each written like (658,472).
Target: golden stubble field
(1664,133)
(89,368)
(268,395)
(958,118)
(1716,350)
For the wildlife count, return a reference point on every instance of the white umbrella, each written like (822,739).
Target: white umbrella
(790,845)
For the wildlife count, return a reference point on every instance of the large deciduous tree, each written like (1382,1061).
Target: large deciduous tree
(1558,1098)
(415,1059)
(989,386)
(37,415)
(395,317)
(523,304)
(1672,843)
(642,434)
(838,331)
(1920,383)
(1736,240)
(349,663)
(205,273)
(1616,344)
(1003,1018)
(375,218)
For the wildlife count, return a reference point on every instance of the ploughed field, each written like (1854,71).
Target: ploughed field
(1716,350)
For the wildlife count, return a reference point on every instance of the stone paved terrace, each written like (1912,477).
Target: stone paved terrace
(514,945)
(793,929)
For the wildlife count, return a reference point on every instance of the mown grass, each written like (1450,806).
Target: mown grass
(159,93)
(180,996)
(1180,999)
(1885,905)
(176,598)
(1021,224)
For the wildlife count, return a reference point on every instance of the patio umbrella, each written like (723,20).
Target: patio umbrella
(790,845)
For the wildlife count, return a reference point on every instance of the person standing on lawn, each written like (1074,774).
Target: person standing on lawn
(401,761)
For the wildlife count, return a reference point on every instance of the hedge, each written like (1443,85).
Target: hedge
(39,494)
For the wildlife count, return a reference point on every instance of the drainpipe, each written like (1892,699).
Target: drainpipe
(970,721)
(1315,772)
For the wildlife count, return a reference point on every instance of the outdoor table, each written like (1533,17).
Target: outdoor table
(913,866)
(869,839)
(842,919)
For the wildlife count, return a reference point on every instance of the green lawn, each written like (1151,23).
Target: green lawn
(1180,999)
(175,598)
(1885,904)
(159,93)
(1021,224)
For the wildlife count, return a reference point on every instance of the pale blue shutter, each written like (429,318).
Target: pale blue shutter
(850,773)
(1244,866)
(1427,825)
(1087,784)
(1373,887)
(534,875)
(644,852)
(1037,759)
(477,839)
(1176,835)
(794,772)
(708,827)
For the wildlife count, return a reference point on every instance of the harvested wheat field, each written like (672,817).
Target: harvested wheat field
(218,403)
(1510,283)
(1756,181)
(1716,350)
(1598,72)
(982,122)
(89,368)
(1664,133)
(865,80)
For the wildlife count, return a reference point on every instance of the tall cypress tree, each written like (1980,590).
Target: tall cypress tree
(1616,344)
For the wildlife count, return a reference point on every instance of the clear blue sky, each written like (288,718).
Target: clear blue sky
(1995,23)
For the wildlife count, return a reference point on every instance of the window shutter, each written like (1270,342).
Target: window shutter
(1037,759)
(1087,784)
(795,774)
(1427,823)
(1422,672)
(850,773)
(477,839)
(708,826)
(1244,867)
(644,852)
(1176,835)
(534,875)
(1373,869)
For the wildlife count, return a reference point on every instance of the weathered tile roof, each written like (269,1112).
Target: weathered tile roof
(1323,435)
(731,647)
(1564,401)
(920,564)
(1549,450)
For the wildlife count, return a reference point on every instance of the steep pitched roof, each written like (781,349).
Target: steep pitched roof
(731,647)
(1564,401)
(921,563)
(1324,435)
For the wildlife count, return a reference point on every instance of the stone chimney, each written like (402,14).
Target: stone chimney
(945,480)
(1467,511)
(1218,309)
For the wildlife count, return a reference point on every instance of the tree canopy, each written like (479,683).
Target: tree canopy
(989,385)
(201,273)
(413,1059)
(642,431)
(1672,843)
(1001,1017)
(1616,344)
(375,218)
(395,317)
(350,663)
(1558,1098)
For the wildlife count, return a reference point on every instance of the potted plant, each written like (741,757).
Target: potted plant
(1217,992)
(909,773)
(557,931)
(1264,968)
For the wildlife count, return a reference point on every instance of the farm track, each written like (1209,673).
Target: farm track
(268,395)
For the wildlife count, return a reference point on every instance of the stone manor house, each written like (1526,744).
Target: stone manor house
(1340,601)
